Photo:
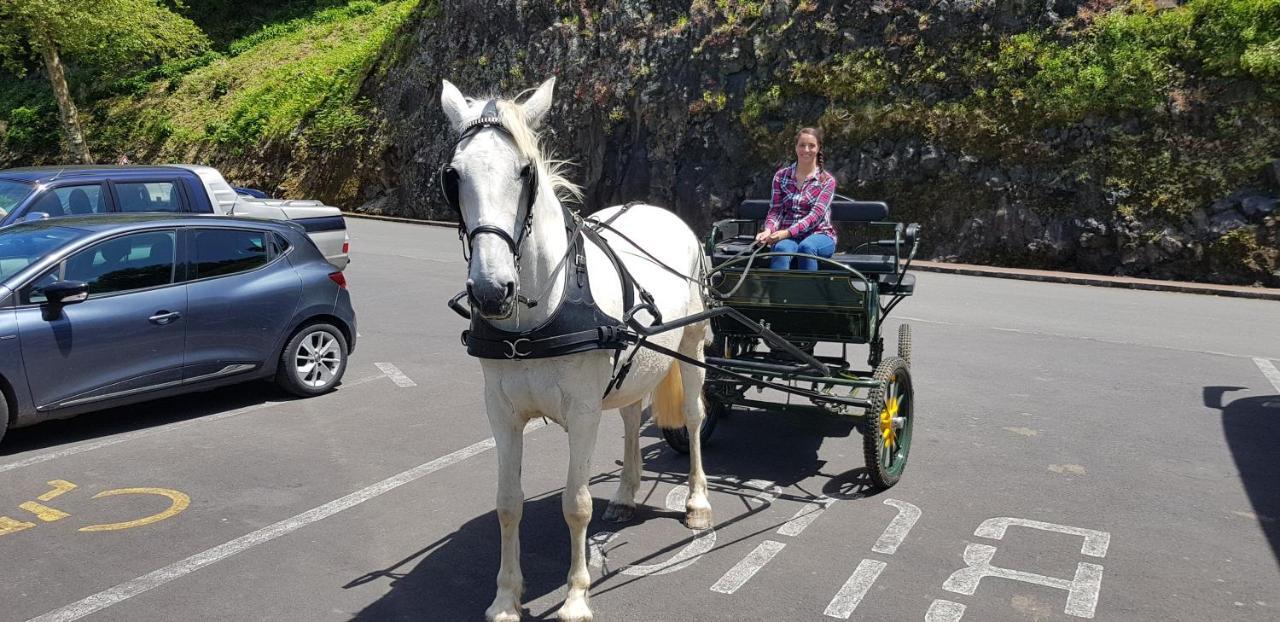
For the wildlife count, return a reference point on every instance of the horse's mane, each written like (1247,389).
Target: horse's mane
(529,144)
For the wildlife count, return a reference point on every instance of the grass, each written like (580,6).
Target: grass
(303,72)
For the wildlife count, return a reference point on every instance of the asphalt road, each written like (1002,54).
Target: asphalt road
(1115,453)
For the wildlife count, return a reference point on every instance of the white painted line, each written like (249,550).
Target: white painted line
(944,611)
(1269,370)
(851,595)
(396,375)
(745,569)
(898,529)
(129,436)
(805,515)
(129,589)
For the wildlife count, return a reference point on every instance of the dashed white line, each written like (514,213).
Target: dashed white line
(805,515)
(897,530)
(176,570)
(747,568)
(396,375)
(1269,370)
(855,589)
(129,436)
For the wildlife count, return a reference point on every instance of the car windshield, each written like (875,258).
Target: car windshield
(11,194)
(25,245)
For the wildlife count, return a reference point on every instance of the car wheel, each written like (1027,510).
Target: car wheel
(4,416)
(313,361)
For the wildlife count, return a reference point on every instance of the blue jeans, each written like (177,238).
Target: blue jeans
(818,244)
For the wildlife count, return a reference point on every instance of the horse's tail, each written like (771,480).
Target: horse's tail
(668,399)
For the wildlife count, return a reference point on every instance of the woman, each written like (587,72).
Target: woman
(799,220)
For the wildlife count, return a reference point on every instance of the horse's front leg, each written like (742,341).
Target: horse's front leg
(583,422)
(508,435)
(623,506)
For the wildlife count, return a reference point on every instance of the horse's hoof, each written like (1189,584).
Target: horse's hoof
(619,513)
(697,518)
(574,612)
(503,610)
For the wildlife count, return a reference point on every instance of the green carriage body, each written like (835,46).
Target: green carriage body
(841,302)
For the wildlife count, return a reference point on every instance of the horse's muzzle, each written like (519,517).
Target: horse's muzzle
(493,303)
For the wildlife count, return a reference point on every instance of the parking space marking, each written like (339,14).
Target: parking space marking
(944,611)
(809,512)
(177,570)
(396,375)
(747,568)
(129,436)
(853,591)
(897,530)
(1269,370)
(178,502)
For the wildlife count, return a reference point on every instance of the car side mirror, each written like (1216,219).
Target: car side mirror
(35,216)
(66,292)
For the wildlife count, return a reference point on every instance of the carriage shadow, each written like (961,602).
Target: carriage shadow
(1252,428)
(453,578)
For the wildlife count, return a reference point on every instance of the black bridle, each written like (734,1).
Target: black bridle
(488,119)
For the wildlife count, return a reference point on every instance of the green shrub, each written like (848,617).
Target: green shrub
(31,128)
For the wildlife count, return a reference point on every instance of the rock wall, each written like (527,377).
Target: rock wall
(660,100)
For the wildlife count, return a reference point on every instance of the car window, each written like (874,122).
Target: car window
(11,195)
(78,200)
(24,245)
(217,252)
(130,262)
(152,196)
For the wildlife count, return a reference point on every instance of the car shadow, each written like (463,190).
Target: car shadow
(1252,428)
(453,578)
(140,416)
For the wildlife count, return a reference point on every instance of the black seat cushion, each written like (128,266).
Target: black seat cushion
(867,264)
(890,284)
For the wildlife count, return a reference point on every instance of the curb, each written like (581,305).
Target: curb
(1044,276)
(1096,280)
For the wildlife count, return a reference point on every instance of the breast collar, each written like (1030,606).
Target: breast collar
(576,325)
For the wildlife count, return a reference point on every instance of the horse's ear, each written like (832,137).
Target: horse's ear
(536,107)
(453,103)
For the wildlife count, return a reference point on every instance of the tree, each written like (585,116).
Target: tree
(108,37)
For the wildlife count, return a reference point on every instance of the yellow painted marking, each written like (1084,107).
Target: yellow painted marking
(44,512)
(180,503)
(8,525)
(60,487)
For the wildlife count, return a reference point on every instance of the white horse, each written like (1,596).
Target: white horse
(490,165)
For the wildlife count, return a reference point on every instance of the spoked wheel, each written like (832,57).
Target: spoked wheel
(886,430)
(678,438)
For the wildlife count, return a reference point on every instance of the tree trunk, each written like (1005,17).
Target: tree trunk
(76,146)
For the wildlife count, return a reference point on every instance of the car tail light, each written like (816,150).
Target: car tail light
(346,248)
(339,278)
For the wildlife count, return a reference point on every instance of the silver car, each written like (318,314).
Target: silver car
(102,311)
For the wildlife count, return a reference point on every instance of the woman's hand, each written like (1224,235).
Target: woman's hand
(763,237)
(778,236)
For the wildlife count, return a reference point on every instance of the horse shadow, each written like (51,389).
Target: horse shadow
(1252,428)
(454,577)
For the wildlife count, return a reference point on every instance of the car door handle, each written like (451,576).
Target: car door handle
(164,317)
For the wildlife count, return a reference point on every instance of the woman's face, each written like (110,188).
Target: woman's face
(807,149)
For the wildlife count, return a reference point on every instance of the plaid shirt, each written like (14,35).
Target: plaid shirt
(802,207)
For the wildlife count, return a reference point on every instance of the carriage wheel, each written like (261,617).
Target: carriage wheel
(904,343)
(678,438)
(886,429)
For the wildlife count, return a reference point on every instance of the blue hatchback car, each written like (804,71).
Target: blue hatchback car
(102,311)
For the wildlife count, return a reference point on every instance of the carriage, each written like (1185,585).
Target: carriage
(844,302)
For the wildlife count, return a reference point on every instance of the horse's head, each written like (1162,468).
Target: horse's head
(492,181)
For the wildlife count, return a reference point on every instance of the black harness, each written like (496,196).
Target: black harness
(577,324)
